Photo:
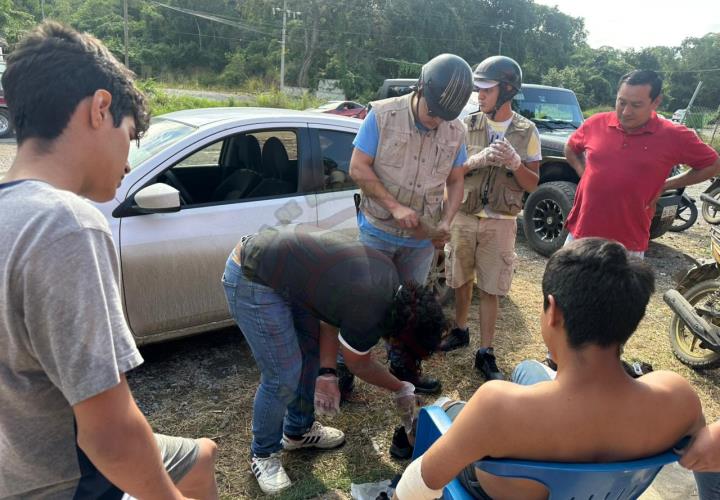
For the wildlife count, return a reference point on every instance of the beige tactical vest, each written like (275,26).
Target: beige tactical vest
(412,165)
(495,186)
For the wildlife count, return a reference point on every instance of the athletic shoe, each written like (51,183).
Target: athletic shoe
(270,475)
(485,362)
(456,339)
(319,436)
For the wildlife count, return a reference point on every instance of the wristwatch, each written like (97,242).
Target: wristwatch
(327,371)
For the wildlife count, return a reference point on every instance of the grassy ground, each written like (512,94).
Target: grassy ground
(205,385)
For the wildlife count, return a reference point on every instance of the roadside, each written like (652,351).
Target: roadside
(211,95)
(205,385)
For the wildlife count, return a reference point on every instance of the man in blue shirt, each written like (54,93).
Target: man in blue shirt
(406,156)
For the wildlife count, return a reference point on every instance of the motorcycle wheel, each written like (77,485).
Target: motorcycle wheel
(687,347)
(686,216)
(709,213)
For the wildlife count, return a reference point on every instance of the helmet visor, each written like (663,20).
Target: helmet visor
(480,83)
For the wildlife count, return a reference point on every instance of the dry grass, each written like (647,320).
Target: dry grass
(205,385)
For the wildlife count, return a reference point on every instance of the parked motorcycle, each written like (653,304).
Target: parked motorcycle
(686,215)
(695,326)
(710,212)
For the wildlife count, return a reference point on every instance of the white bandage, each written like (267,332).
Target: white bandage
(412,485)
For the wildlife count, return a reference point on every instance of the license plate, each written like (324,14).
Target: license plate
(669,212)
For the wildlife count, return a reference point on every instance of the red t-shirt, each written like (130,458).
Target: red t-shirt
(625,172)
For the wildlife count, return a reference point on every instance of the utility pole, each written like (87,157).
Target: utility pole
(502,27)
(125,15)
(282,49)
(42,9)
(285,13)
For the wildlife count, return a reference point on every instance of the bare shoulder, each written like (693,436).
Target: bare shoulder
(675,391)
(502,399)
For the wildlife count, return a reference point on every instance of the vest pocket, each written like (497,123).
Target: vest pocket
(513,199)
(433,204)
(444,159)
(391,151)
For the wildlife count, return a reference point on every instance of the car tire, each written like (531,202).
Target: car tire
(685,346)
(6,129)
(545,213)
(437,281)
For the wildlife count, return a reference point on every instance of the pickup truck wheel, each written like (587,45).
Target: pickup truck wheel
(5,127)
(544,215)
(685,346)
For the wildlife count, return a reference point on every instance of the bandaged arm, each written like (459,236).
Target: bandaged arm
(412,485)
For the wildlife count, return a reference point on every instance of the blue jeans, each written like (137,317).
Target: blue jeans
(708,484)
(531,372)
(411,263)
(284,340)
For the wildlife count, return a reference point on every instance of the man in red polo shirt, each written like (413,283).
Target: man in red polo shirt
(623,160)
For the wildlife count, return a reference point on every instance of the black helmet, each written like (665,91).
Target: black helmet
(502,70)
(446,83)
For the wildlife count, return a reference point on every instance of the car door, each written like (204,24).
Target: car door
(332,148)
(172,262)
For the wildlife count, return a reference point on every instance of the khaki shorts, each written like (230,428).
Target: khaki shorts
(481,248)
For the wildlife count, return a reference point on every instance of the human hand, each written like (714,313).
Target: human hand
(327,396)
(406,216)
(480,160)
(505,155)
(703,454)
(405,402)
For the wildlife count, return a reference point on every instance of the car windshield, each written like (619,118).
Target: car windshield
(161,134)
(549,108)
(329,105)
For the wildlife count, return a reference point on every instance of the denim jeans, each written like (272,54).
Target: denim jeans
(411,263)
(531,372)
(284,340)
(708,484)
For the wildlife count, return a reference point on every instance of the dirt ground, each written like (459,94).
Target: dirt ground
(204,386)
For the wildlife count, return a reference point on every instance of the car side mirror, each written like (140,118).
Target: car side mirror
(157,198)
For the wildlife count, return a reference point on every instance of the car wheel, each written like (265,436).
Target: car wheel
(436,279)
(544,215)
(710,213)
(687,347)
(5,126)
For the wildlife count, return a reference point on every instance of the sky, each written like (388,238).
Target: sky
(626,24)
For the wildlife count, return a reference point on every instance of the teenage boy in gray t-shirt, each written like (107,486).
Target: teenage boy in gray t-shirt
(69,426)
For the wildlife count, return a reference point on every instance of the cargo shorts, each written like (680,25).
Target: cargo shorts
(481,248)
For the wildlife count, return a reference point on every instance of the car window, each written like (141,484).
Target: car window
(207,157)
(237,168)
(336,149)
(552,108)
(160,135)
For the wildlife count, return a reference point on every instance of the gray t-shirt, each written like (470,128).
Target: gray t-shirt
(63,335)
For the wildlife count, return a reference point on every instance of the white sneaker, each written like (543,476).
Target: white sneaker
(270,474)
(318,436)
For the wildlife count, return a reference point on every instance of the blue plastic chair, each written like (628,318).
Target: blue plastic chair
(564,481)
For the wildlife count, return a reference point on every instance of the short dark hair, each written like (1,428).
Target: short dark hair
(601,291)
(54,68)
(415,320)
(643,77)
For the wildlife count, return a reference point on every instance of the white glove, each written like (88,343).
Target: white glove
(327,396)
(504,154)
(480,160)
(405,402)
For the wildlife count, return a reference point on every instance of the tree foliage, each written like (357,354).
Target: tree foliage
(361,42)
